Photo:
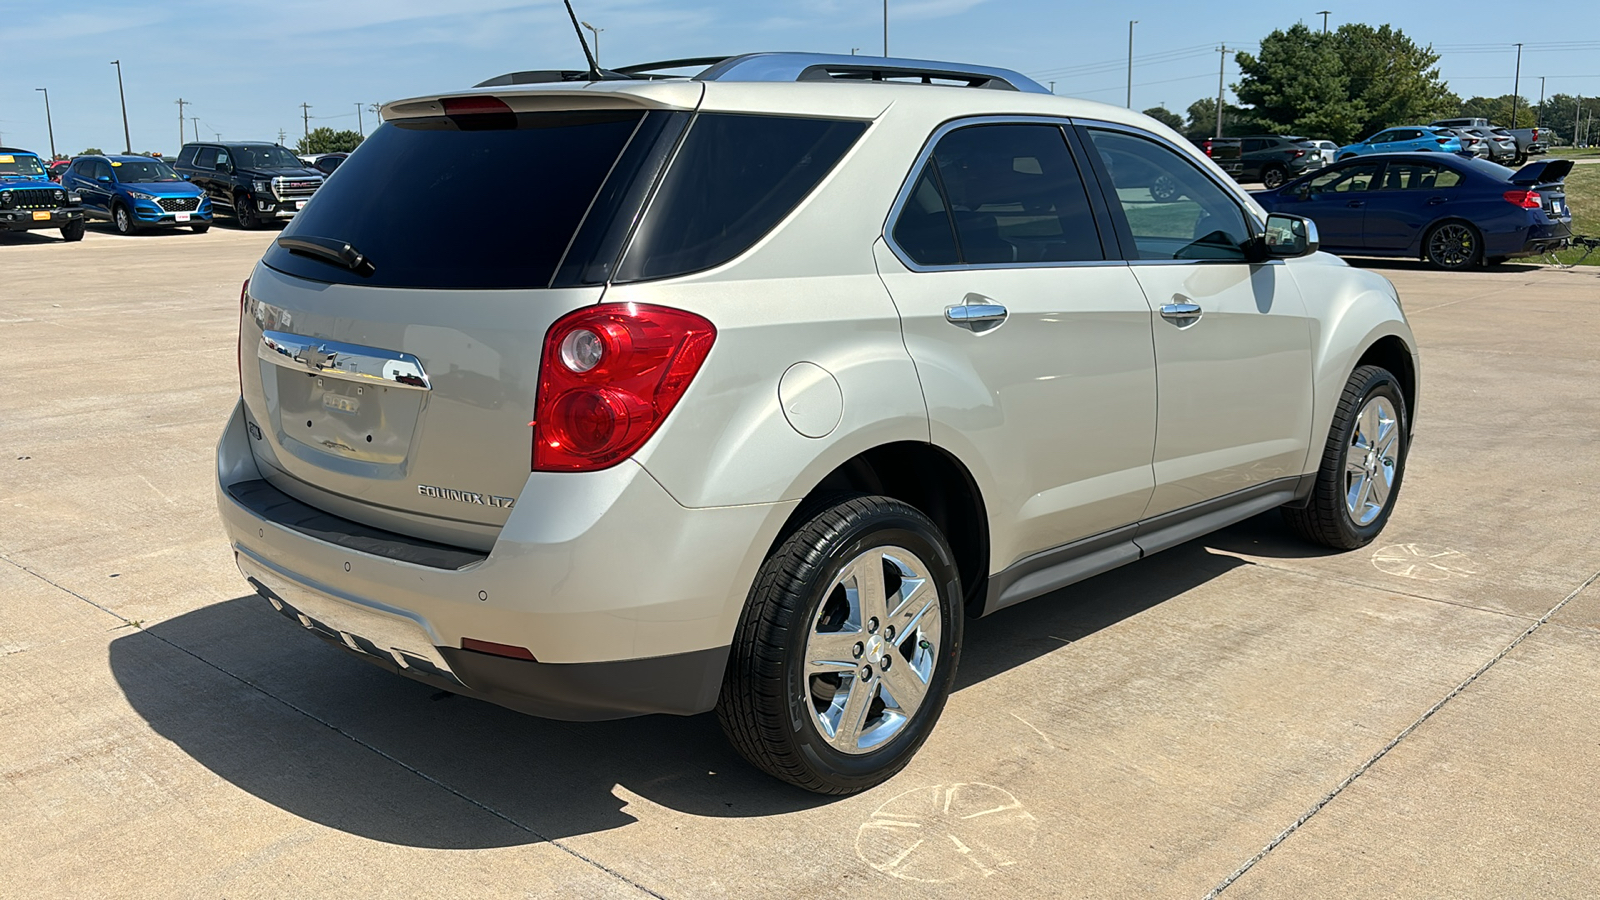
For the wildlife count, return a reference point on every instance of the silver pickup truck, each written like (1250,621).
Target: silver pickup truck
(1530,142)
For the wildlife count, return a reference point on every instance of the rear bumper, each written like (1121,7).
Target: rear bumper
(626,600)
(24,219)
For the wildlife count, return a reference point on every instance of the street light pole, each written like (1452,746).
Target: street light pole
(1324,14)
(126,140)
(1516,87)
(1222,66)
(596,41)
(885,29)
(47,123)
(196,122)
(1538,118)
(181,103)
(1130,62)
(361,129)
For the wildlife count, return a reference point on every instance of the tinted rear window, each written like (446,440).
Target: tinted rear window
(435,206)
(734,179)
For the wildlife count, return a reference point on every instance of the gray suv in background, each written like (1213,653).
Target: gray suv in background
(776,376)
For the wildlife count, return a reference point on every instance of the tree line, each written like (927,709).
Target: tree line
(1349,84)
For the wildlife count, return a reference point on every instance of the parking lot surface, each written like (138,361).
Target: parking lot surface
(1244,712)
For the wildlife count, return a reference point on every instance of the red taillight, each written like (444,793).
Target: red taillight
(1442,141)
(1536,134)
(1298,154)
(238,345)
(1524,199)
(609,376)
(1208,146)
(468,106)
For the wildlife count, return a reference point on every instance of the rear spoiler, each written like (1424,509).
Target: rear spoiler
(1545,171)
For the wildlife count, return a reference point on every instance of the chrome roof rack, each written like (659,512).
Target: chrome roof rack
(831,67)
(785,67)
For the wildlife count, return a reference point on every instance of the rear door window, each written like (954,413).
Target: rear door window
(481,204)
(733,180)
(995,194)
(207,159)
(1418,177)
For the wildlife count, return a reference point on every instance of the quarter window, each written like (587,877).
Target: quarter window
(1173,210)
(995,194)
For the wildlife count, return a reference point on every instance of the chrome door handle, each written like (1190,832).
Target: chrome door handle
(977,314)
(1181,311)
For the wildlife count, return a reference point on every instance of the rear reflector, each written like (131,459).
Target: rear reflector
(494,649)
(1524,199)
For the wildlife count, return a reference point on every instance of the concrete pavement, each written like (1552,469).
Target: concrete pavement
(1413,719)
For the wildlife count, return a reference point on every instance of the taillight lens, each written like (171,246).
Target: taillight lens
(609,376)
(1442,141)
(1536,134)
(238,345)
(1298,154)
(1524,199)
(1208,146)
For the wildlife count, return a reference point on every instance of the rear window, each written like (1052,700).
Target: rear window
(435,206)
(734,179)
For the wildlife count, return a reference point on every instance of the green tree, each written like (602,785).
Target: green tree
(1559,116)
(1343,85)
(1166,117)
(326,140)
(1203,120)
(93,151)
(1392,79)
(1498,110)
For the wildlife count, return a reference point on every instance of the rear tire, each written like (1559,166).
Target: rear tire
(73,231)
(1520,159)
(1363,463)
(807,696)
(1272,177)
(1452,246)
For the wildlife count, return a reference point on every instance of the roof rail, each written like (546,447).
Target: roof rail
(831,67)
(784,67)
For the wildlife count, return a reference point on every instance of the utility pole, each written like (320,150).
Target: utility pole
(305,112)
(1052,87)
(181,104)
(1324,14)
(596,42)
(1130,62)
(1516,88)
(361,129)
(126,140)
(196,122)
(47,123)
(885,29)
(1222,65)
(281,136)
(854,50)
(1538,118)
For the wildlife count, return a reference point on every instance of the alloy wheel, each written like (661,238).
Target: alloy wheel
(123,223)
(870,651)
(1371,460)
(1452,246)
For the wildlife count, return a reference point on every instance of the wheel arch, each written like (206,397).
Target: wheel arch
(1431,227)
(1392,353)
(926,477)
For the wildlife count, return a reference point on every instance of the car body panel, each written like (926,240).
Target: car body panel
(142,198)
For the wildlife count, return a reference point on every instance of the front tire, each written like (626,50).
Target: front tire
(1363,463)
(1272,177)
(122,220)
(73,231)
(244,211)
(1452,246)
(201,227)
(847,648)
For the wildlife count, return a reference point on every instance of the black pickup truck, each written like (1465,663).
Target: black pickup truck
(254,181)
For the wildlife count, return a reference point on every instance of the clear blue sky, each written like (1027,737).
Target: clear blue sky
(247,67)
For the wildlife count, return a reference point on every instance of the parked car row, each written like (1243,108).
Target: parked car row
(254,182)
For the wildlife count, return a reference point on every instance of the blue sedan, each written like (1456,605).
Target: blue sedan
(1452,211)
(134,192)
(1405,139)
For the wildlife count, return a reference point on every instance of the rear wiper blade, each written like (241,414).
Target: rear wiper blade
(329,250)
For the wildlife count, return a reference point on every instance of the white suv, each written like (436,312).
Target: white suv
(760,382)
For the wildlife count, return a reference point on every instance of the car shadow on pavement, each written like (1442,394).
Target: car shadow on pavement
(1418,265)
(331,739)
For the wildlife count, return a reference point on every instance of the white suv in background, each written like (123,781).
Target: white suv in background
(767,379)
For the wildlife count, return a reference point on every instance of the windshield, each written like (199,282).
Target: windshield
(26,166)
(144,171)
(266,158)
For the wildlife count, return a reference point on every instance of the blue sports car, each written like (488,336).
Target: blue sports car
(1452,211)
(135,192)
(1405,139)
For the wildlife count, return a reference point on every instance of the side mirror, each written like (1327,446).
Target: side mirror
(103,179)
(184,175)
(1290,237)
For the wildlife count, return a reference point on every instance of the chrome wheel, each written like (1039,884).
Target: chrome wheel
(870,651)
(1452,246)
(1370,461)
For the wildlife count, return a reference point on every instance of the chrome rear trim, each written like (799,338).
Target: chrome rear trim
(337,359)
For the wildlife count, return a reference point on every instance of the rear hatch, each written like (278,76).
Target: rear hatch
(390,342)
(1226,153)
